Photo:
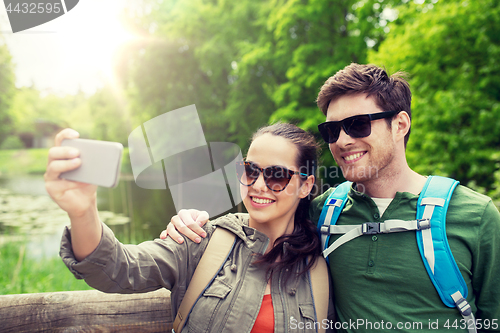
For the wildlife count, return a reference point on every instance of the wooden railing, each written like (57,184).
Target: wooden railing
(86,311)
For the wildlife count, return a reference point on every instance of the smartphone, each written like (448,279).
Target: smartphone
(101,162)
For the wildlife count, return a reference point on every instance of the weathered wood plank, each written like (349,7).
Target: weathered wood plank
(86,311)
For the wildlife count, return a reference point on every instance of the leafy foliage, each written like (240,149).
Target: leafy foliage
(6,91)
(451,49)
(247,63)
(101,116)
(12,142)
(191,56)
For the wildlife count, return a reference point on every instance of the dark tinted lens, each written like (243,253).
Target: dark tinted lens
(277,178)
(358,126)
(330,131)
(246,172)
(252,170)
(240,170)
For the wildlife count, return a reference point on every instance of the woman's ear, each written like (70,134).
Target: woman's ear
(307,186)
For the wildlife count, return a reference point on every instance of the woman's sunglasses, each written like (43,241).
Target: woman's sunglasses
(276,177)
(356,126)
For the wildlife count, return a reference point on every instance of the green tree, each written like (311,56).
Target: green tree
(6,91)
(30,106)
(313,40)
(24,109)
(191,57)
(451,50)
(246,63)
(101,116)
(109,114)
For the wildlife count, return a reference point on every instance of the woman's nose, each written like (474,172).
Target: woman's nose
(260,184)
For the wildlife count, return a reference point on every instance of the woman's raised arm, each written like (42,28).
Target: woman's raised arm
(77,199)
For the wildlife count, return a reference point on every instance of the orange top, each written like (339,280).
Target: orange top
(265,319)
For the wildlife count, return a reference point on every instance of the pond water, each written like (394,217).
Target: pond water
(27,212)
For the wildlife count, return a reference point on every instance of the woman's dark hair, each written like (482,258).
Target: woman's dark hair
(291,249)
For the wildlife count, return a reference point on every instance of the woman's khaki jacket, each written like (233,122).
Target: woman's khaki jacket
(230,304)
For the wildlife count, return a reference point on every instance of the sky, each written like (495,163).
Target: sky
(72,52)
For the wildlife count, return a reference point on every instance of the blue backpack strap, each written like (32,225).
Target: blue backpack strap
(331,210)
(433,244)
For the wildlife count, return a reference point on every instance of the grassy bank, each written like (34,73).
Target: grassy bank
(25,161)
(20,274)
(34,161)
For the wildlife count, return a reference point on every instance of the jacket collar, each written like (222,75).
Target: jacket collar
(238,225)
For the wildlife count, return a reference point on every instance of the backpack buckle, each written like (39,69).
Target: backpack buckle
(370,228)
(423,224)
(325,229)
(463,306)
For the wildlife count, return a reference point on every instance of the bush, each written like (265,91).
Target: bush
(12,142)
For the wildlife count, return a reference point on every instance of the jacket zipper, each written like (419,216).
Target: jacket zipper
(237,292)
(285,308)
(266,244)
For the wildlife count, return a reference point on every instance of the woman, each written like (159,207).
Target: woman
(264,284)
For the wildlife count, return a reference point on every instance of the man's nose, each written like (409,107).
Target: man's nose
(344,139)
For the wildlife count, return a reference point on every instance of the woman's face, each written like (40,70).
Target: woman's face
(264,205)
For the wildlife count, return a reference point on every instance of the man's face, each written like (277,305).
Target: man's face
(362,159)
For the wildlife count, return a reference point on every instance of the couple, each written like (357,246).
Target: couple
(377,280)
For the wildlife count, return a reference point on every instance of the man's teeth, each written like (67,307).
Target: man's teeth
(261,201)
(353,157)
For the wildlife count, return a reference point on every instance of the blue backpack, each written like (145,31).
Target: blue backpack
(431,238)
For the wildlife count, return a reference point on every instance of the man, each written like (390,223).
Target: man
(380,282)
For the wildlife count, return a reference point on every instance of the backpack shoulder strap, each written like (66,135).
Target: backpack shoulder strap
(320,285)
(218,249)
(433,245)
(331,210)
(431,236)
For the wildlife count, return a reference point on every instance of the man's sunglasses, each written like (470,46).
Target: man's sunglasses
(356,126)
(276,177)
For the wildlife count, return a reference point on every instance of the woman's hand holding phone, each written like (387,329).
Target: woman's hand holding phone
(73,197)
(76,198)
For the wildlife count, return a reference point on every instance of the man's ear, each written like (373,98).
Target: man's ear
(401,125)
(307,187)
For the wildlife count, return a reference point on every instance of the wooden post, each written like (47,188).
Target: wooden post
(87,311)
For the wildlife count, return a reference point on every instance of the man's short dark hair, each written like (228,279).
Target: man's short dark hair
(391,93)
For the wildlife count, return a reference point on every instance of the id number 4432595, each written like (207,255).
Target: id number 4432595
(470,324)
(35,8)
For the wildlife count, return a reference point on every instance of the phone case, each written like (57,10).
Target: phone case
(101,162)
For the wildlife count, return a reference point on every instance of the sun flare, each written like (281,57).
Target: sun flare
(91,50)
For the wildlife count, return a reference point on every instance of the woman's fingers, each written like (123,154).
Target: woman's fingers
(62,159)
(67,133)
(60,153)
(57,152)
(62,185)
(57,166)
(76,198)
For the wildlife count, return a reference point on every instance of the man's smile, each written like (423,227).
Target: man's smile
(353,157)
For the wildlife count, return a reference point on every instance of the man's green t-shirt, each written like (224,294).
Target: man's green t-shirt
(381,284)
